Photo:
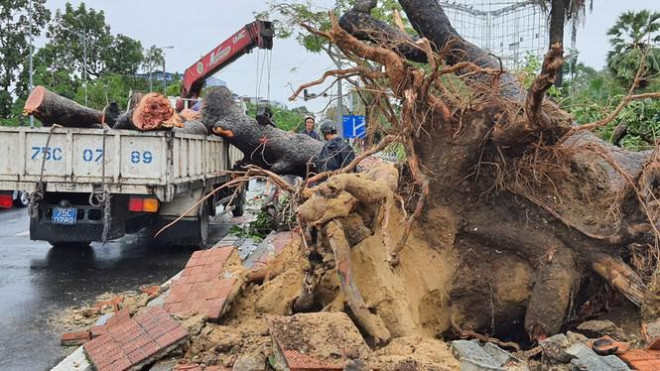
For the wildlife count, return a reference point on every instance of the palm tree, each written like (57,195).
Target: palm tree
(560,12)
(635,39)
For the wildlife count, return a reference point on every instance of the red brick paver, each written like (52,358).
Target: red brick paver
(134,342)
(114,302)
(75,338)
(305,341)
(301,362)
(204,286)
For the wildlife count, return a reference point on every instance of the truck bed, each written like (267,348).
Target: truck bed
(159,163)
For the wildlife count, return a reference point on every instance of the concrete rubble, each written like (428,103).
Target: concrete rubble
(487,357)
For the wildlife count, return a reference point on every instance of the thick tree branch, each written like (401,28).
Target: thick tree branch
(544,81)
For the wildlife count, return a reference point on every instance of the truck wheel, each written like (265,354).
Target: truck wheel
(204,224)
(70,245)
(239,204)
(22,199)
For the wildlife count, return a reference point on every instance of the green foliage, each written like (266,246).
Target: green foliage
(15,20)
(75,32)
(105,89)
(635,38)
(284,118)
(396,151)
(256,230)
(591,96)
(153,58)
(124,57)
(174,88)
(112,61)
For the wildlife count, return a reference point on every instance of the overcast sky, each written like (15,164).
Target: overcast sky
(195,27)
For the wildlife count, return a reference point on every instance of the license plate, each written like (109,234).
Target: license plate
(65,215)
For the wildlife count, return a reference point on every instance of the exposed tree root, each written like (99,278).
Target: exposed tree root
(370,322)
(619,275)
(552,294)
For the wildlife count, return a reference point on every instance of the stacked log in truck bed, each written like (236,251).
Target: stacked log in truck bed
(152,112)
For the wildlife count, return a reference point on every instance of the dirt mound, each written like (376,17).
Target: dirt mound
(414,353)
(412,298)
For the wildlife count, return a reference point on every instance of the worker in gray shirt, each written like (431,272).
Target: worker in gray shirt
(309,128)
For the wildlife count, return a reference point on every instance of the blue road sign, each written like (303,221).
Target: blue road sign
(354,126)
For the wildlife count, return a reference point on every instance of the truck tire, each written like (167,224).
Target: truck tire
(239,204)
(185,233)
(204,215)
(69,245)
(22,199)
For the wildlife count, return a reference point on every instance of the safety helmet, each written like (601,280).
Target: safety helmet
(309,117)
(328,127)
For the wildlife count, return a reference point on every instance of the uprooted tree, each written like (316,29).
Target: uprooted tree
(503,211)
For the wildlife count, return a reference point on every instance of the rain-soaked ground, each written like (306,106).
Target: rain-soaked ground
(37,281)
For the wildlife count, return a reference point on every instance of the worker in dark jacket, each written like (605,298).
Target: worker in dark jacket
(336,153)
(309,128)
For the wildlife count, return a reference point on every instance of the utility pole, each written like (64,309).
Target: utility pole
(164,73)
(30,72)
(151,68)
(83,37)
(85,63)
(340,110)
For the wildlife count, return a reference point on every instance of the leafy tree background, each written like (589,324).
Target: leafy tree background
(14,47)
(113,61)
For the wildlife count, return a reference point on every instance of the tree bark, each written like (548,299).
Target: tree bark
(50,108)
(192,127)
(110,114)
(557,22)
(263,145)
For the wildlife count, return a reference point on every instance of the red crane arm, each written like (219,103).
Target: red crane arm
(256,34)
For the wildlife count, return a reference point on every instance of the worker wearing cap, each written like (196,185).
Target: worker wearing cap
(336,153)
(309,128)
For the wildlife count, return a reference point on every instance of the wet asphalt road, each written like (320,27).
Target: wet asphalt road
(37,281)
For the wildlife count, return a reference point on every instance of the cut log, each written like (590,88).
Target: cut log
(268,147)
(190,115)
(110,114)
(125,122)
(50,108)
(152,112)
(192,127)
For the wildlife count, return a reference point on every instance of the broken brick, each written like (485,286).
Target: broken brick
(655,344)
(301,362)
(98,330)
(315,341)
(150,290)
(114,303)
(75,338)
(119,318)
(202,287)
(136,341)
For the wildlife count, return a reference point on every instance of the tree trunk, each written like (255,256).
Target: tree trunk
(110,114)
(50,108)
(557,21)
(192,127)
(263,145)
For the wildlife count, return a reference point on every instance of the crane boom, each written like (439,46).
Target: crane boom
(256,34)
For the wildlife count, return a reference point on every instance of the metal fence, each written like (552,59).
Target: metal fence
(511,30)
